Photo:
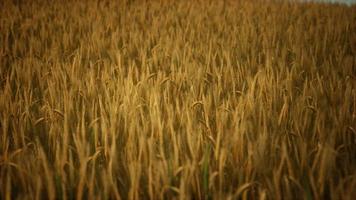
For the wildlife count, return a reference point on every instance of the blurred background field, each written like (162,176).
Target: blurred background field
(348,2)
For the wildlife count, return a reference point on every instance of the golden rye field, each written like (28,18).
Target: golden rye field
(177,100)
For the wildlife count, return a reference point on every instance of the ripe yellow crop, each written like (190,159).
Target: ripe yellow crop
(177,100)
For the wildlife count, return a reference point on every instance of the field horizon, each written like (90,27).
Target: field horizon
(169,99)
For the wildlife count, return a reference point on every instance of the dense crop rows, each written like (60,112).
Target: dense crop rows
(177,100)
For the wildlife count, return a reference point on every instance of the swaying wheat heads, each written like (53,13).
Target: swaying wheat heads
(177,100)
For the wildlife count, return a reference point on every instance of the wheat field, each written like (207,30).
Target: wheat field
(182,99)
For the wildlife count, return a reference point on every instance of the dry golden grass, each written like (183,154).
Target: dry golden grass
(177,100)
